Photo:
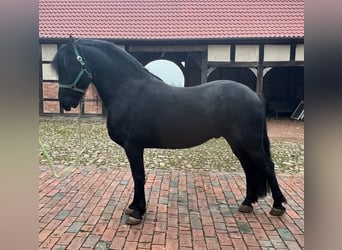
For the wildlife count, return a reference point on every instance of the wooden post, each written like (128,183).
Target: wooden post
(260,79)
(204,66)
(41,102)
(260,72)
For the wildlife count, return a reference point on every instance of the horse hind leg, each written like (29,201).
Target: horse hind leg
(278,208)
(265,166)
(256,182)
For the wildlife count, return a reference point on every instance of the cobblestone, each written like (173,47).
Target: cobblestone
(185,209)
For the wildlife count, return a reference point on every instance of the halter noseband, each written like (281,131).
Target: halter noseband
(84,69)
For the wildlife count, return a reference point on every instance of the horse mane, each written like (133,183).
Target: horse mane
(57,61)
(111,48)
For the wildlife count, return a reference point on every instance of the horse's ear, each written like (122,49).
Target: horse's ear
(72,40)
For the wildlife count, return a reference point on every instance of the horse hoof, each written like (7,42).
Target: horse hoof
(129,211)
(245,208)
(277,211)
(133,221)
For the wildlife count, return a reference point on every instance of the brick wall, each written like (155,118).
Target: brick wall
(92,104)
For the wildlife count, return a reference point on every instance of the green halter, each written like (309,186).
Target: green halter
(84,69)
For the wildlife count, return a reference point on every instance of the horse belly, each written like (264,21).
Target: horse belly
(178,136)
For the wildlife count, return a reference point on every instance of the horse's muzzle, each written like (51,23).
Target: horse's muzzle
(66,107)
(69,101)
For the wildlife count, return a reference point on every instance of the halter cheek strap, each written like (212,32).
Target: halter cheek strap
(84,69)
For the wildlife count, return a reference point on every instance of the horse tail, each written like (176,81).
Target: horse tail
(266,141)
(257,177)
(256,168)
(261,181)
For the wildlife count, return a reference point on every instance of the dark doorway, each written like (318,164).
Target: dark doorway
(243,75)
(283,89)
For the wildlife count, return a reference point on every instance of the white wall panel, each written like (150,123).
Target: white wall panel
(277,53)
(48,72)
(247,53)
(299,52)
(218,53)
(48,51)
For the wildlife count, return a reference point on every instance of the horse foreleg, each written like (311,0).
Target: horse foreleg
(137,208)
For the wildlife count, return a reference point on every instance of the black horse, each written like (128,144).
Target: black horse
(144,112)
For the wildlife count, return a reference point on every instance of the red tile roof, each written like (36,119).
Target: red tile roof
(171,19)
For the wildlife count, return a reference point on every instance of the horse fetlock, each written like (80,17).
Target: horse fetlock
(245,208)
(277,211)
(129,211)
(134,216)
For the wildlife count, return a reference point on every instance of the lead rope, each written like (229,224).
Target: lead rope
(75,162)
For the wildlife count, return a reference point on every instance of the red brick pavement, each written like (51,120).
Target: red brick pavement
(186,210)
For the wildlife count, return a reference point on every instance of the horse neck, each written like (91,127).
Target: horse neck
(115,75)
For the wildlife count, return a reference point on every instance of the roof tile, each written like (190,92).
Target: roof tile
(177,19)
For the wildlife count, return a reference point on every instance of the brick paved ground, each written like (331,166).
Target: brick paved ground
(186,210)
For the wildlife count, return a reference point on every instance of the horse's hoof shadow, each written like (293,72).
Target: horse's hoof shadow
(245,208)
(277,211)
(133,221)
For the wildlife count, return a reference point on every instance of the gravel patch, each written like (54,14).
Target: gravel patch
(61,139)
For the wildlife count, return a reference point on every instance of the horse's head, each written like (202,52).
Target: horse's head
(73,74)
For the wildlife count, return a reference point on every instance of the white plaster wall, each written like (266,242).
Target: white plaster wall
(218,53)
(48,72)
(247,53)
(277,53)
(48,51)
(299,52)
